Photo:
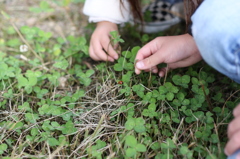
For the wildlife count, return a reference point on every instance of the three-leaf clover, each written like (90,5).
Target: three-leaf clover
(85,78)
(133,146)
(139,89)
(167,91)
(181,81)
(135,123)
(69,128)
(115,37)
(151,111)
(6,71)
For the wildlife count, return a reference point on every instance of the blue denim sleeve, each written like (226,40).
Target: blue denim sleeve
(216,30)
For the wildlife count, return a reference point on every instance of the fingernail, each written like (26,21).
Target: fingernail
(115,57)
(161,74)
(155,70)
(140,64)
(111,60)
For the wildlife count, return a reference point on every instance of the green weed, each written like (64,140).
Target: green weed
(56,103)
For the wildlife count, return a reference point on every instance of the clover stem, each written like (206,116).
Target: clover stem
(165,78)
(207,97)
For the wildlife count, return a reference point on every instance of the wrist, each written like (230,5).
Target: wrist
(104,23)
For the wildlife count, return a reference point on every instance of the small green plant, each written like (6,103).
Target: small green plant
(84,78)
(151,111)
(43,7)
(55,101)
(115,38)
(133,146)
(95,150)
(136,124)
(3,147)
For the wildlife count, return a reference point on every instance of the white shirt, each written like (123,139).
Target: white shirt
(107,10)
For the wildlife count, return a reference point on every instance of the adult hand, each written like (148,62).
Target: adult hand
(233,143)
(176,51)
(100,48)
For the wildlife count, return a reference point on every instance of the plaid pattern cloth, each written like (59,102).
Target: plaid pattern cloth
(159,11)
(161,15)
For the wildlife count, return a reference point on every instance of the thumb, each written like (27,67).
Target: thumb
(149,62)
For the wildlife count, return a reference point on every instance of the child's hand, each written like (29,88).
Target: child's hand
(176,51)
(100,48)
(233,143)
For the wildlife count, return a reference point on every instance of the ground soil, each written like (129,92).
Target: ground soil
(63,21)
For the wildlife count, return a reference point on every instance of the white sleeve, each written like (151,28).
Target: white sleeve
(107,10)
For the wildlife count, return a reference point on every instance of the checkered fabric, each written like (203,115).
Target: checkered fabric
(159,11)
(161,15)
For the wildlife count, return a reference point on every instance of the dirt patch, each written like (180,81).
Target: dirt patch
(62,21)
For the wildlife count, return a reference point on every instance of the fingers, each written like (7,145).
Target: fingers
(148,64)
(190,60)
(155,59)
(148,58)
(151,54)
(107,46)
(233,127)
(236,111)
(233,144)
(100,47)
(97,53)
(116,46)
(93,55)
(183,63)
(162,72)
(102,50)
(153,70)
(148,49)
(176,51)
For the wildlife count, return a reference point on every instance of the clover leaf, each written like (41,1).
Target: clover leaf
(52,141)
(115,37)
(3,147)
(61,63)
(135,123)
(131,141)
(6,71)
(133,146)
(119,65)
(69,128)
(151,111)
